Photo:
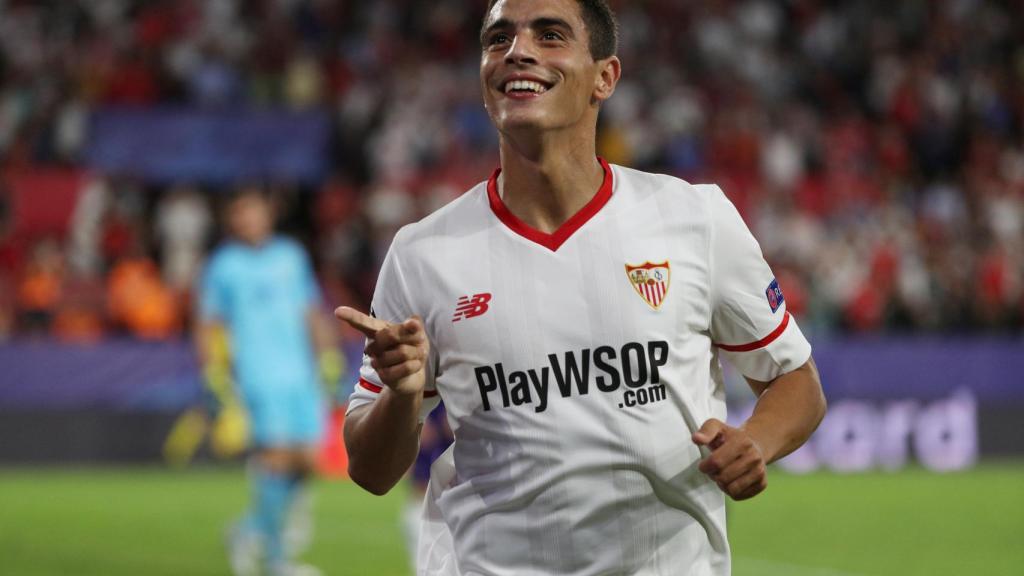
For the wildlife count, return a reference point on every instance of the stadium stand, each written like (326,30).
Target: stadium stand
(875,149)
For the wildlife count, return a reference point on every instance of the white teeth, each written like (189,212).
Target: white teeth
(530,85)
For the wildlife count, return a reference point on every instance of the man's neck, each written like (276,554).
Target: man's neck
(547,184)
(254,243)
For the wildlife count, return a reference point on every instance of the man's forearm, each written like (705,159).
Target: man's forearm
(382,440)
(788,411)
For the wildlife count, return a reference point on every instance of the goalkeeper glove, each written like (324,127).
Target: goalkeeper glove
(230,433)
(332,365)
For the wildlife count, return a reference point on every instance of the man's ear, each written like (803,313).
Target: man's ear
(609,72)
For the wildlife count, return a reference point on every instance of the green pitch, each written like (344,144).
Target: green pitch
(97,522)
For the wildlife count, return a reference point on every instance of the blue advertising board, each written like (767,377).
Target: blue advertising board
(170,145)
(940,403)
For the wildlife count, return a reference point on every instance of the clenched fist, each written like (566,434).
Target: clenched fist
(737,463)
(398,352)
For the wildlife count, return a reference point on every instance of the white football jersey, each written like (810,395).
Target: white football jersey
(575,366)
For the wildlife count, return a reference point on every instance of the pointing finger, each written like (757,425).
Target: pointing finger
(368,325)
(409,332)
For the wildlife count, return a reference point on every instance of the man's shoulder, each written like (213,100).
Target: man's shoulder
(286,246)
(651,183)
(221,266)
(455,219)
(223,253)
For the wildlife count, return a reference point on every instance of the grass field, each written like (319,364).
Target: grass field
(114,522)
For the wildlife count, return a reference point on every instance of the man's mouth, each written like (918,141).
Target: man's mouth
(524,87)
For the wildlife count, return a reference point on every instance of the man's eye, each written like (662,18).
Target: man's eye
(551,35)
(498,39)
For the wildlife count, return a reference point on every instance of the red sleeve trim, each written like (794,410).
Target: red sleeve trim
(370,386)
(554,240)
(760,343)
(377,389)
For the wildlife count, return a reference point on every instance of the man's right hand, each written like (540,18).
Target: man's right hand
(398,352)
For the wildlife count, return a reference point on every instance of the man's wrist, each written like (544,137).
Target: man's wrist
(411,393)
(762,439)
(403,404)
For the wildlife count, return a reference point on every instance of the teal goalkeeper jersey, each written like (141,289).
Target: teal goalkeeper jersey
(263,294)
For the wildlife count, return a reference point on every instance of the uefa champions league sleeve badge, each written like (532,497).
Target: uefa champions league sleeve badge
(651,281)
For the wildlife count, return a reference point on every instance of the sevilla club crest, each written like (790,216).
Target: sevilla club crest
(650,281)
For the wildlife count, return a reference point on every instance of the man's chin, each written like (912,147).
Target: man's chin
(518,121)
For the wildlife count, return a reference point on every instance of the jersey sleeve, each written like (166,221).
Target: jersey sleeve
(213,290)
(749,320)
(391,303)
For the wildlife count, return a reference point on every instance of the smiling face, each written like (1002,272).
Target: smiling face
(536,69)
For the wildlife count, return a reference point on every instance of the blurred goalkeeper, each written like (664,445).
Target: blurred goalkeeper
(259,289)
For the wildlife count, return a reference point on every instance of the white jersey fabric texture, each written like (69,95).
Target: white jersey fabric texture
(574,367)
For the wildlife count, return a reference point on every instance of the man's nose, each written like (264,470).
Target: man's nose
(521,51)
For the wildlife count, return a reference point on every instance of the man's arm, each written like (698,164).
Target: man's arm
(382,438)
(788,410)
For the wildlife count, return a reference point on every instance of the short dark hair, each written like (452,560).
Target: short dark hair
(601,24)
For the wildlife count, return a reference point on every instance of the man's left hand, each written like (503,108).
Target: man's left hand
(736,463)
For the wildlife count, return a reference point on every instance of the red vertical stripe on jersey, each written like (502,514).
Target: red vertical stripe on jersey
(760,343)
(554,240)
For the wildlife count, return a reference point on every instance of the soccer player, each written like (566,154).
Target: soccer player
(572,315)
(259,288)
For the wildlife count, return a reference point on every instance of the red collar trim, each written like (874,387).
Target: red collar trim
(554,240)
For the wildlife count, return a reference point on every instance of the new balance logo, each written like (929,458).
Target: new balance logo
(471,306)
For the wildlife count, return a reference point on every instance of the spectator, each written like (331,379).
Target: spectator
(182,226)
(878,151)
(40,288)
(138,300)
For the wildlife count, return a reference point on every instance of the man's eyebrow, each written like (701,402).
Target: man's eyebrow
(499,24)
(537,23)
(551,22)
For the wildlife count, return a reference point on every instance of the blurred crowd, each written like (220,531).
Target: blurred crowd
(876,149)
